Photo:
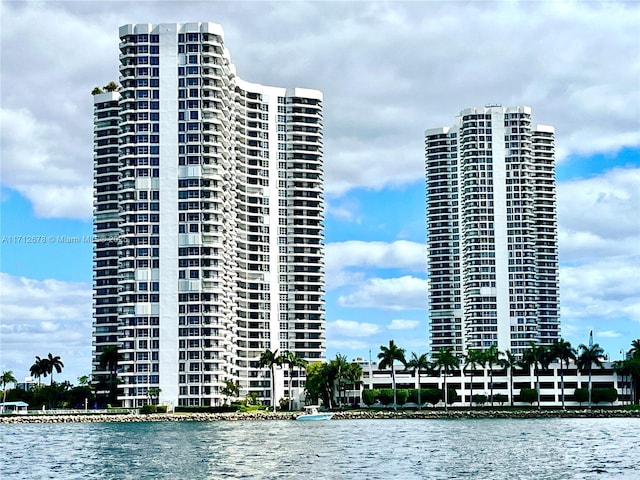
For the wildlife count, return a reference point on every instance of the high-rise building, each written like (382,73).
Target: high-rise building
(208,221)
(492,230)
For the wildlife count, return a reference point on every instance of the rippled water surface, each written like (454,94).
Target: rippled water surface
(349,449)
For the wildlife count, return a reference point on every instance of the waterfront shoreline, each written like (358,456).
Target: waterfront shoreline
(345,415)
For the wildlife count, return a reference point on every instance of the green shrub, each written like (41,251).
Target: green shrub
(412,395)
(479,399)
(369,396)
(500,398)
(452,396)
(581,395)
(608,395)
(161,409)
(528,395)
(431,395)
(401,396)
(386,396)
(146,409)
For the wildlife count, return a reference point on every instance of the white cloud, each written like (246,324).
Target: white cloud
(608,334)
(404,293)
(400,324)
(600,216)
(602,289)
(38,317)
(349,345)
(388,72)
(350,328)
(341,256)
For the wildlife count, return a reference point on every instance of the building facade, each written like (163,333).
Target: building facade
(208,221)
(492,231)
(502,383)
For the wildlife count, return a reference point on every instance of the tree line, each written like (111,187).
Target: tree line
(444,362)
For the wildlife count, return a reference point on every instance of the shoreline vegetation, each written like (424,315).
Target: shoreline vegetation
(91,417)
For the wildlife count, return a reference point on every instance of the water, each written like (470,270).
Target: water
(350,449)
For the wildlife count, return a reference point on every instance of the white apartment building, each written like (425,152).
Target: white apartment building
(492,231)
(208,216)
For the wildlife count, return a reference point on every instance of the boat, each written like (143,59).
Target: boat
(311,413)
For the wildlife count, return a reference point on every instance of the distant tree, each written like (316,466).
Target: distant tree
(153,392)
(353,376)
(539,357)
(84,380)
(96,91)
(491,357)
(564,352)
(231,389)
(388,355)
(445,361)
(111,87)
(479,399)
(293,361)
(271,360)
(7,378)
(54,363)
(472,360)
(108,360)
(40,368)
(418,364)
(589,356)
(510,361)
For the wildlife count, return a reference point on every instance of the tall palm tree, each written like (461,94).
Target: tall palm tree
(293,361)
(445,362)
(588,357)
(388,355)
(38,370)
(491,357)
(271,360)
(353,375)
(634,352)
(417,365)
(564,352)
(510,361)
(7,377)
(108,360)
(472,359)
(539,357)
(54,363)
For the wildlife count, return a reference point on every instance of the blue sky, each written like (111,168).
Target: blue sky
(388,70)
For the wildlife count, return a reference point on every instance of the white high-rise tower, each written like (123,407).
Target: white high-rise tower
(492,229)
(208,220)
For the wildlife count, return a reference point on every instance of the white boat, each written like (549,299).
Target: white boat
(311,413)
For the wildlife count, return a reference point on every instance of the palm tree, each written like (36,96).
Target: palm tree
(293,361)
(634,352)
(418,364)
(271,360)
(54,363)
(7,377)
(340,367)
(109,359)
(38,370)
(353,375)
(154,392)
(472,359)
(539,357)
(491,358)
(588,357)
(445,362)
(510,361)
(388,355)
(111,87)
(564,352)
